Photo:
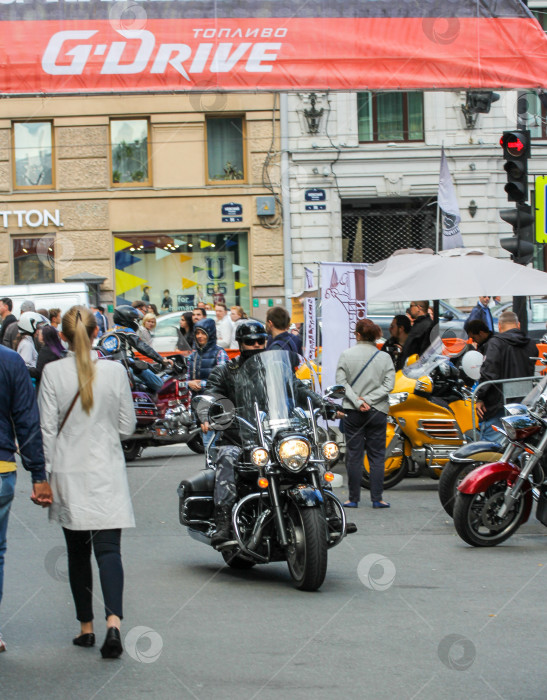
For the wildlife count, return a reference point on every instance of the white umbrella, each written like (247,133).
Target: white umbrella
(455,273)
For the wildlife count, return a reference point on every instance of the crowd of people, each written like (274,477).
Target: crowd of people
(83,482)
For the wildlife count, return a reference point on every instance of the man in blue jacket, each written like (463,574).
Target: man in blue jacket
(203,360)
(19,419)
(481,312)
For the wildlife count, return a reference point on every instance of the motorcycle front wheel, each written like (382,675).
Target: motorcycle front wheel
(307,552)
(476,520)
(131,450)
(396,468)
(451,477)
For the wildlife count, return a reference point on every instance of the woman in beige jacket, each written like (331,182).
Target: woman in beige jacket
(85,405)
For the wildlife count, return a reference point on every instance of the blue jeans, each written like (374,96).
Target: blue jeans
(151,379)
(7,491)
(487,432)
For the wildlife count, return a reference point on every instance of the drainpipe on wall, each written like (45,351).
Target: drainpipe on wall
(285,197)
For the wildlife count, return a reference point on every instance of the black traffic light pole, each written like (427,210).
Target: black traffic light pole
(516,151)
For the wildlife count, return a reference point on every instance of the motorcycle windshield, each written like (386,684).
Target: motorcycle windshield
(266,381)
(429,360)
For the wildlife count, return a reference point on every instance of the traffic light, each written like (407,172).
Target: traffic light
(516,151)
(521,245)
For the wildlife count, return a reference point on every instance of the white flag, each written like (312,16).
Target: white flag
(450,211)
(309,280)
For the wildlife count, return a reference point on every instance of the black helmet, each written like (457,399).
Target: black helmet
(127,316)
(249,331)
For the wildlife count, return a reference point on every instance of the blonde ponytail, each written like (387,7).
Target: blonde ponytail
(78,326)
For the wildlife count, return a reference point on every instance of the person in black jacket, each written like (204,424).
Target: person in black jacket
(478,332)
(51,350)
(251,336)
(509,355)
(419,338)
(399,330)
(6,306)
(123,340)
(19,419)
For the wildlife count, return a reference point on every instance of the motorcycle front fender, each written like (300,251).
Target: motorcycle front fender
(305,496)
(481,451)
(484,476)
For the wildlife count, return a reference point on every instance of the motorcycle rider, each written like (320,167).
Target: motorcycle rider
(251,337)
(126,322)
(419,338)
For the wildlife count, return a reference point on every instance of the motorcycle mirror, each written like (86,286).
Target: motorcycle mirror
(471,364)
(336,391)
(221,414)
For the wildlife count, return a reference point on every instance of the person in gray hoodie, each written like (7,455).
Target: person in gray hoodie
(368,376)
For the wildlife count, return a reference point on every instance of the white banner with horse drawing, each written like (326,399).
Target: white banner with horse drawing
(343,303)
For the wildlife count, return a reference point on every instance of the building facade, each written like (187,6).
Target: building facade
(365,183)
(164,196)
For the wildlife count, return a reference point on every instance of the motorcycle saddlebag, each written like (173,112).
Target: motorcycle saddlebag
(541,510)
(199,487)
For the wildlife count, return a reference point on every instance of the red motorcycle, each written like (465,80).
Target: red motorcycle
(164,418)
(494,500)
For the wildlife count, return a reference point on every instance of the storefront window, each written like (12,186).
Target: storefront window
(176,271)
(225,156)
(33,154)
(33,260)
(129,144)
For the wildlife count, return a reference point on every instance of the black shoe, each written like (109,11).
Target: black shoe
(112,647)
(223,522)
(84,640)
(351,528)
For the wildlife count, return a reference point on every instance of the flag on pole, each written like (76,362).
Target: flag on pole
(449,209)
(309,279)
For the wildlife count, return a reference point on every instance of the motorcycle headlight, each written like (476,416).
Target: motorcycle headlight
(330,451)
(398,397)
(293,453)
(259,457)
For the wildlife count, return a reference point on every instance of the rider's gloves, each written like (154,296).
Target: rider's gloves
(330,410)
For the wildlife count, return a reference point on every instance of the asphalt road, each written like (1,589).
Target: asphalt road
(407,611)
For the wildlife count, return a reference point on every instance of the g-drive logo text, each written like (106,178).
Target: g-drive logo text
(70,52)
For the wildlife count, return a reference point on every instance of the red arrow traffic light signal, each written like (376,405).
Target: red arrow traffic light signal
(516,150)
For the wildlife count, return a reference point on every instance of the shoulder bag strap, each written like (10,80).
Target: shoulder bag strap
(364,368)
(67,414)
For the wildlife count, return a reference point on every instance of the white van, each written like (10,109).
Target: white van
(62,295)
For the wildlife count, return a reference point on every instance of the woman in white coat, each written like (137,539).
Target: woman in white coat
(85,405)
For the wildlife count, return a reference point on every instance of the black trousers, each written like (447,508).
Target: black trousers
(106,545)
(365,430)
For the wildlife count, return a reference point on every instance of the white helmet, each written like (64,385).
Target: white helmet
(471,364)
(29,322)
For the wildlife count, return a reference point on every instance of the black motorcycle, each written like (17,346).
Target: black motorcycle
(285,510)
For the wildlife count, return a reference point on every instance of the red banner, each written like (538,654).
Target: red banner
(308,53)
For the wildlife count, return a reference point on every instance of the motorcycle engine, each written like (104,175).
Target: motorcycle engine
(178,417)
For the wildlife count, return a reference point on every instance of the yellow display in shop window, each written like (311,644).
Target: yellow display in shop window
(125,281)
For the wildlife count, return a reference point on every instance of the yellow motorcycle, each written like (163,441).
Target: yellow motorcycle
(430,417)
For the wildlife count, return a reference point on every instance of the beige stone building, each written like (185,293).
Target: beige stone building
(153,193)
